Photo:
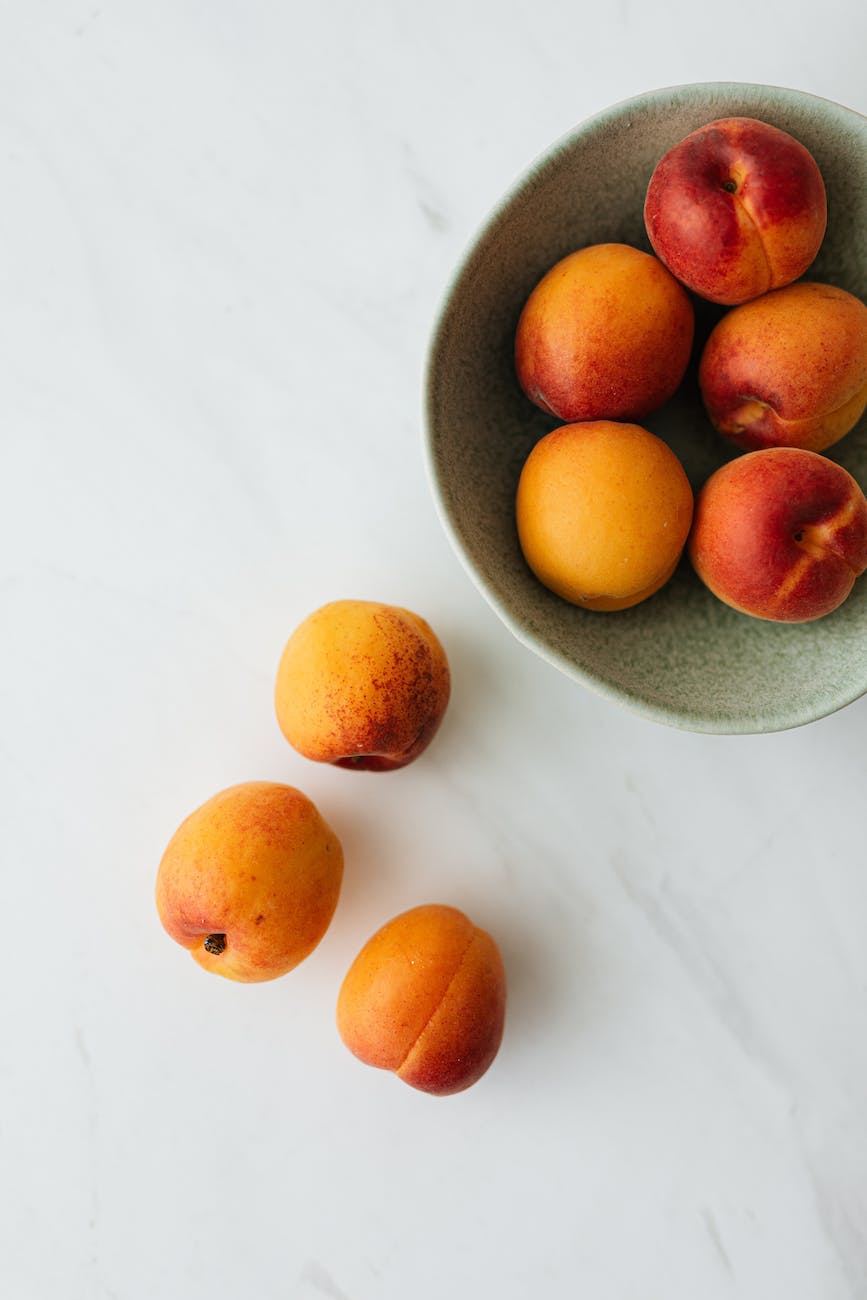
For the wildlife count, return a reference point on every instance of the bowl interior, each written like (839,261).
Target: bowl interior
(681,657)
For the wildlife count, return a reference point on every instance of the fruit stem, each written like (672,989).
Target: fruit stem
(215,943)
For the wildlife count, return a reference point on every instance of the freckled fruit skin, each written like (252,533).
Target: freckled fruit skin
(606,334)
(426,998)
(780,534)
(788,369)
(603,511)
(362,685)
(256,872)
(735,209)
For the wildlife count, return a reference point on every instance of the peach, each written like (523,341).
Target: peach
(362,685)
(606,334)
(249,882)
(736,209)
(603,512)
(788,369)
(780,534)
(426,998)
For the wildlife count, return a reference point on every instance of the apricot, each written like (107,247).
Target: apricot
(362,685)
(606,334)
(603,512)
(249,882)
(736,209)
(788,369)
(780,534)
(426,998)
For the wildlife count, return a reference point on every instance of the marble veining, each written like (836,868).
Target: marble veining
(225,233)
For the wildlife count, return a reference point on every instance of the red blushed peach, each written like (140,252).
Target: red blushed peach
(605,335)
(788,369)
(780,534)
(426,998)
(362,685)
(736,209)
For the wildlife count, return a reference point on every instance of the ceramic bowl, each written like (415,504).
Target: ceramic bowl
(681,657)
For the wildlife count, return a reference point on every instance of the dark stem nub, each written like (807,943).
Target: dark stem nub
(799,537)
(215,943)
(731,186)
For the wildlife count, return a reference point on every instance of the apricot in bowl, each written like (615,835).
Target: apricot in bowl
(603,511)
(681,657)
(788,369)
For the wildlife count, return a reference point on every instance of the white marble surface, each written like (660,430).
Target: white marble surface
(225,228)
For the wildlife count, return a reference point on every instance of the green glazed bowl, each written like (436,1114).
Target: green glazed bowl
(681,657)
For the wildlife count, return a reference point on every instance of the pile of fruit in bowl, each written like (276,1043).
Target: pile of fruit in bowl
(680,377)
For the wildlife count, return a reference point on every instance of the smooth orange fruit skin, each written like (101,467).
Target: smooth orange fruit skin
(788,369)
(606,334)
(258,865)
(362,685)
(603,512)
(426,999)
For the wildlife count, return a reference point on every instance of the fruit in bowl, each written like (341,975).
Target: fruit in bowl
(603,511)
(605,334)
(780,534)
(662,658)
(603,508)
(788,369)
(736,209)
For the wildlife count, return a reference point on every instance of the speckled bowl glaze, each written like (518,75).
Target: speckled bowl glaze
(681,657)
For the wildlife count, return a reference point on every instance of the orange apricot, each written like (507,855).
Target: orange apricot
(362,685)
(605,335)
(426,998)
(250,880)
(603,512)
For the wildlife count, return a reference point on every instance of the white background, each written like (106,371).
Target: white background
(225,230)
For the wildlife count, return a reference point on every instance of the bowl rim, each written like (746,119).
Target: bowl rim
(685,719)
